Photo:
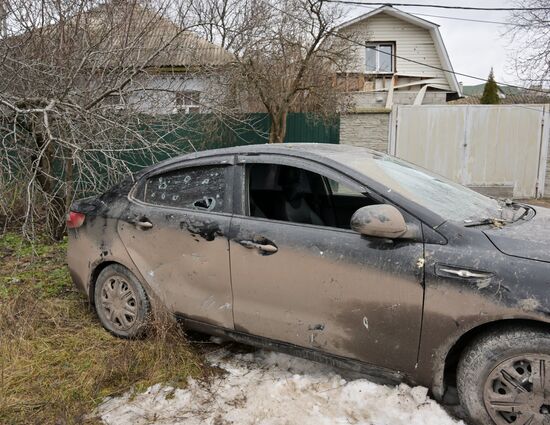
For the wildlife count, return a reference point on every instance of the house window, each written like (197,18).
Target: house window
(379,58)
(188,101)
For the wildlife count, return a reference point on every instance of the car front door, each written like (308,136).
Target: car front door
(301,276)
(175,231)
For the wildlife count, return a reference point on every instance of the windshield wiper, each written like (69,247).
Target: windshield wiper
(496,222)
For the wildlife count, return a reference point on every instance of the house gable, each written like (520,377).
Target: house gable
(420,54)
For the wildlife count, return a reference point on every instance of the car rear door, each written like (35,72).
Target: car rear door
(175,230)
(323,287)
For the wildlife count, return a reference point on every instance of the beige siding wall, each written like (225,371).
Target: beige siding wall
(368,130)
(411,42)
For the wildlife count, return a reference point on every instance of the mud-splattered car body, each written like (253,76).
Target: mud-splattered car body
(402,308)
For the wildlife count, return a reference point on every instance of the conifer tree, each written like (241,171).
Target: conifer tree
(490,92)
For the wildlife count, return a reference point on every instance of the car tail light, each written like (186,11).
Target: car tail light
(75,220)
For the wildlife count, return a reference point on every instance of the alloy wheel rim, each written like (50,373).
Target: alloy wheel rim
(517,391)
(119,303)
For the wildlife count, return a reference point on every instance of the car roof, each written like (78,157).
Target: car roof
(319,152)
(336,156)
(321,149)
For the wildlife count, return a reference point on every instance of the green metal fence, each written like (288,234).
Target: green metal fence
(183,134)
(206,131)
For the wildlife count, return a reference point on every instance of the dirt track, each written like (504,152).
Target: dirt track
(541,202)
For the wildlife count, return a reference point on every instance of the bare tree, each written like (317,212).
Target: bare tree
(221,20)
(530,33)
(79,78)
(287,54)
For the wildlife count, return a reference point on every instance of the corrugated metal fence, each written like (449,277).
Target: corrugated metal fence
(500,149)
(169,136)
(208,131)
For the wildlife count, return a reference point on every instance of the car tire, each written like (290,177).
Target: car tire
(498,377)
(121,302)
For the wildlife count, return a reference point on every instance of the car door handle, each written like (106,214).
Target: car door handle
(467,274)
(143,224)
(266,248)
(453,271)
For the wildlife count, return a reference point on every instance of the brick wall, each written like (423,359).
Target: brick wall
(370,130)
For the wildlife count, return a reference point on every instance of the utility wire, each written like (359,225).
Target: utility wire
(440,6)
(477,20)
(450,71)
(463,19)
(457,18)
(454,18)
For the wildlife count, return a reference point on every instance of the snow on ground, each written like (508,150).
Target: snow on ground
(270,389)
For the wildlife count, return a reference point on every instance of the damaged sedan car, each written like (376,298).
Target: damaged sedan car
(334,253)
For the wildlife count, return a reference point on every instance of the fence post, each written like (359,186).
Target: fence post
(543,178)
(392,130)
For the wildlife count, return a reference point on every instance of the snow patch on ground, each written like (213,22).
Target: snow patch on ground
(270,389)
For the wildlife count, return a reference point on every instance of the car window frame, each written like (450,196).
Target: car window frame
(241,181)
(226,161)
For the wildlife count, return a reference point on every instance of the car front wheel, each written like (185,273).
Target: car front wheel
(503,378)
(121,302)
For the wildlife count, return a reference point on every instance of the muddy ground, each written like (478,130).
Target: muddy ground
(541,202)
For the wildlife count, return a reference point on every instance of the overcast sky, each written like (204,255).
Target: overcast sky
(473,47)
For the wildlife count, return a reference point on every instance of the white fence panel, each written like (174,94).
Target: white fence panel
(476,145)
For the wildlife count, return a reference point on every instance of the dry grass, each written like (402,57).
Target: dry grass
(56,361)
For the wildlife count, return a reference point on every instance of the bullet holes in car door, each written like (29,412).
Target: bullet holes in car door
(201,188)
(176,231)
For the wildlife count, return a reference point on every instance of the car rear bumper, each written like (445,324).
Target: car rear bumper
(78,260)
(78,282)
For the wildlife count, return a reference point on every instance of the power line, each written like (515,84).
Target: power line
(440,6)
(450,71)
(474,20)
(455,18)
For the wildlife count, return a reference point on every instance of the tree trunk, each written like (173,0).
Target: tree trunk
(277,132)
(57,213)
(56,209)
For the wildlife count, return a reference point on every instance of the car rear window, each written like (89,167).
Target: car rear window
(201,188)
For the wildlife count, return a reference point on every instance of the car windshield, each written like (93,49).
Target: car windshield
(449,200)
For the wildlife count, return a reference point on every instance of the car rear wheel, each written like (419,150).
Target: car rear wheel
(503,378)
(121,302)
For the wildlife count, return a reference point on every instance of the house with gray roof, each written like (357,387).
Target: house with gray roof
(177,70)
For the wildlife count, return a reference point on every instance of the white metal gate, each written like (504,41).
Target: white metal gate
(476,145)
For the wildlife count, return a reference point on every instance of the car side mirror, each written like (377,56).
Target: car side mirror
(381,221)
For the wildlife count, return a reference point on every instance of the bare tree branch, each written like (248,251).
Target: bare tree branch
(79,81)
(530,31)
(286,56)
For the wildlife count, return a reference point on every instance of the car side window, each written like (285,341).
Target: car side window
(285,193)
(201,188)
